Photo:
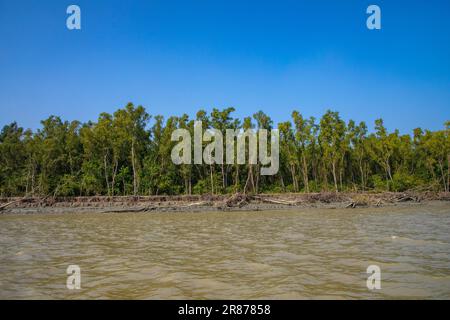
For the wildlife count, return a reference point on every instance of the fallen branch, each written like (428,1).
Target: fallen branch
(195,204)
(277,201)
(237,200)
(4,206)
(351,205)
(143,209)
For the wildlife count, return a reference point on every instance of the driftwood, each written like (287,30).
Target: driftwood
(408,198)
(201,203)
(154,208)
(142,209)
(237,200)
(4,206)
(277,201)
(218,202)
(377,200)
(351,205)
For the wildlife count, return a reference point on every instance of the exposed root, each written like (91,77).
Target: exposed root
(220,202)
(4,206)
(277,201)
(237,200)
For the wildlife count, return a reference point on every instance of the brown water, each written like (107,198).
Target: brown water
(306,254)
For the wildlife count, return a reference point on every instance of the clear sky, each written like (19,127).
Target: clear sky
(176,57)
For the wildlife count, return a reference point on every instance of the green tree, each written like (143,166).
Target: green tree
(331,139)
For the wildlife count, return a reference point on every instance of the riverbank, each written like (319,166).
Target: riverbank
(196,203)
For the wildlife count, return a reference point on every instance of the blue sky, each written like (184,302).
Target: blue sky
(176,57)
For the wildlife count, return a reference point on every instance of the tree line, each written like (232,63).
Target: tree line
(129,153)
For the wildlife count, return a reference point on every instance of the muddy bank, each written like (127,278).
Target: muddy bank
(195,203)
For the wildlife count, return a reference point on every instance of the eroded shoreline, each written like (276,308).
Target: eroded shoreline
(203,203)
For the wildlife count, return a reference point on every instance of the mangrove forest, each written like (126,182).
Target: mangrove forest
(129,153)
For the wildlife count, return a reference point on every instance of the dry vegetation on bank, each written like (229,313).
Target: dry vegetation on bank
(238,201)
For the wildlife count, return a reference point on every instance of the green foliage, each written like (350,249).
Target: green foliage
(201,187)
(378,183)
(404,181)
(68,186)
(129,153)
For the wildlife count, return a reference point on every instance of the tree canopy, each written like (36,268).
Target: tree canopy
(129,153)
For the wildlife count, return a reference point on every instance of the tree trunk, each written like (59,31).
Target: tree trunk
(212,179)
(249,179)
(223,176)
(252,178)
(106,174)
(334,176)
(305,174)
(114,173)
(324,173)
(256,187)
(190,183)
(282,182)
(33,175)
(388,166)
(448,172)
(294,180)
(361,170)
(236,181)
(443,176)
(134,169)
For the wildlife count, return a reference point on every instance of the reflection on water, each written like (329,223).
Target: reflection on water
(247,255)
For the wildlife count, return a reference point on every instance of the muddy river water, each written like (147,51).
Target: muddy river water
(309,253)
